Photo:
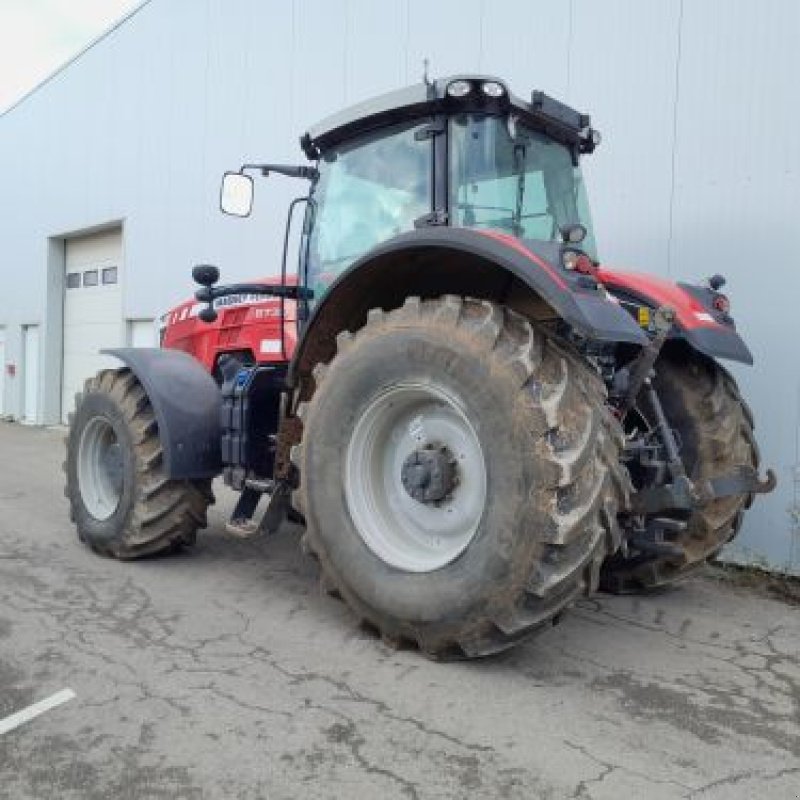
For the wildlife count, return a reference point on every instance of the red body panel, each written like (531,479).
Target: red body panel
(690,311)
(244,323)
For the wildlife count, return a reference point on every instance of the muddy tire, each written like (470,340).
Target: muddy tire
(121,501)
(715,426)
(515,426)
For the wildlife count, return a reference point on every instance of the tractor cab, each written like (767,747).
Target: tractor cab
(460,152)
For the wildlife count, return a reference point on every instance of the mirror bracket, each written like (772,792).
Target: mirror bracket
(309,173)
(236,192)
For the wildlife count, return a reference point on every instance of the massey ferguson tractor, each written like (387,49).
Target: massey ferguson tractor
(475,422)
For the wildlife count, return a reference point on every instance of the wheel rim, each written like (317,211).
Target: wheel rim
(100,476)
(409,434)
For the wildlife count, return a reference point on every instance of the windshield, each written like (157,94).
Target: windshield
(367,192)
(508,177)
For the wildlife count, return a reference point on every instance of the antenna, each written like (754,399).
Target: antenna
(425,79)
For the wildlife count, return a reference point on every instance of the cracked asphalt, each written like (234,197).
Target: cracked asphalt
(224,673)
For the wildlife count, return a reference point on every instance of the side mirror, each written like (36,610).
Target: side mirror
(205,274)
(236,194)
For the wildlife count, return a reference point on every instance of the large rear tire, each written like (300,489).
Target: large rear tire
(120,499)
(715,427)
(520,450)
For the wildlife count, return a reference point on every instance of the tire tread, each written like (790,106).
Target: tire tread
(166,513)
(561,391)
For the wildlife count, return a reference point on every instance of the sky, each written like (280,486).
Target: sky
(38,36)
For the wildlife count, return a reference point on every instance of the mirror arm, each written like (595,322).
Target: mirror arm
(310,173)
(207,294)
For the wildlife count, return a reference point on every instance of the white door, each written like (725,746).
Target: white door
(142,333)
(2,370)
(30,368)
(92,309)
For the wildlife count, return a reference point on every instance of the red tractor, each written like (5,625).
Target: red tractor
(475,422)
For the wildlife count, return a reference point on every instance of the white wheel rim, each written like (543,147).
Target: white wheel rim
(100,477)
(402,531)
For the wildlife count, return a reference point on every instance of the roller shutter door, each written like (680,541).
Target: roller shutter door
(92,309)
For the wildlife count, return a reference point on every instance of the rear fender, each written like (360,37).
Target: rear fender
(523,275)
(186,402)
(697,322)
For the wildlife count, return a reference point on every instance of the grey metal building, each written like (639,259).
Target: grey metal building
(110,168)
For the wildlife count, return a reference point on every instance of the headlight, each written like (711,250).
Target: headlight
(574,232)
(493,89)
(459,88)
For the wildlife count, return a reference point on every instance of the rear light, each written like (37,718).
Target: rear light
(579,262)
(722,304)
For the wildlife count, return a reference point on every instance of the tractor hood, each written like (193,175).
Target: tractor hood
(246,323)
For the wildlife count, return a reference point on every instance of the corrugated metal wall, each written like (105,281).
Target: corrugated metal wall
(698,172)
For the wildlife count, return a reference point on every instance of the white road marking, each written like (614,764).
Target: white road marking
(27,714)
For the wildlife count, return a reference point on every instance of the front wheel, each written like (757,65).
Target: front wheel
(459,475)
(120,499)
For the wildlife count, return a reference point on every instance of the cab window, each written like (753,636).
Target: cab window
(368,191)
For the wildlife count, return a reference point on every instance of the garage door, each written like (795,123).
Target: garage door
(142,333)
(30,371)
(92,309)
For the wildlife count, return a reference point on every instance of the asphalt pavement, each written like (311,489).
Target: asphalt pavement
(223,672)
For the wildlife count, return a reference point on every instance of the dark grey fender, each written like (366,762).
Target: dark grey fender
(485,264)
(186,402)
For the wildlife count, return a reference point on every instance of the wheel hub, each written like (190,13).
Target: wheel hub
(415,477)
(429,473)
(111,463)
(100,468)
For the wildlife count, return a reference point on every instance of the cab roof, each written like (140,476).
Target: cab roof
(431,98)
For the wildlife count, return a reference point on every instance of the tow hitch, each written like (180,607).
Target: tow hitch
(743,480)
(683,495)
(664,506)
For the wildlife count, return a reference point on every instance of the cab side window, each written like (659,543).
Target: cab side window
(367,192)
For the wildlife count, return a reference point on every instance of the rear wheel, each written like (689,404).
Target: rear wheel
(715,427)
(459,476)
(120,499)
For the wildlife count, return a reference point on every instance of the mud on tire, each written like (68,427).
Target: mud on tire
(715,426)
(553,477)
(138,511)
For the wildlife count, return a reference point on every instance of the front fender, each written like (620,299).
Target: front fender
(485,264)
(186,402)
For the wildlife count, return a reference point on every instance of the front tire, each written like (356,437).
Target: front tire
(519,449)
(120,499)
